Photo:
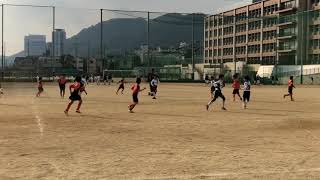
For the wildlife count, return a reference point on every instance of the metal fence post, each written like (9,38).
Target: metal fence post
(192,47)
(101,38)
(2,42)
(148,40)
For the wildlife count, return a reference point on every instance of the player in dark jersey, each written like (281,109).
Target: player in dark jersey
(40,87)
(75,91)
(216,91)
(290,89)
(121,86)
(62,85)
(135,91)
(246,91)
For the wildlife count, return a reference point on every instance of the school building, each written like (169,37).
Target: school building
(269,32)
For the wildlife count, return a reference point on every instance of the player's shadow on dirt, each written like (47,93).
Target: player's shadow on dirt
(171,115)
(256,113)
(296,124)
(281,110)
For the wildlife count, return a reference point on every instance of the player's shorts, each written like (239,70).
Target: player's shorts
(206,81)
(154,88)
(290,90)
(121,86)
(40,89)
(219,94)
(62,87)
(135,98)
(75,96)
(236,91)
(246,96)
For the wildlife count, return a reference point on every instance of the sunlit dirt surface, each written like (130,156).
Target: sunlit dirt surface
(173,137)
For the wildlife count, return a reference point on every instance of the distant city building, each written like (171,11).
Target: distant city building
(34,45)
(59,36)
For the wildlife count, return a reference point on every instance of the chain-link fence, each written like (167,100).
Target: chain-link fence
(273,43)
(49,41)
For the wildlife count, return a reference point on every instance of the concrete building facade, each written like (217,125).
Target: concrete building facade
(59,42)
(267,32)
(34,45)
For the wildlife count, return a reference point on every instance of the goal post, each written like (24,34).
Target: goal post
(118,74)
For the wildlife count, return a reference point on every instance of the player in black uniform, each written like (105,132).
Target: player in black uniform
(121,86)
(216,91)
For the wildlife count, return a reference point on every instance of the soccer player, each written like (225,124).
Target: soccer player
(75,90)
(1,90)
(121,86)
(236,87)
(216,91)
(154,87)
(135,91)
(40,87)
(290,89)
(246,91)
(206,80)
(62,85)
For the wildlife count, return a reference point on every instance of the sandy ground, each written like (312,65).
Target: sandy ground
(173,137)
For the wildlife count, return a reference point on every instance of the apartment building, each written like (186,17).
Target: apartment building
(266,32)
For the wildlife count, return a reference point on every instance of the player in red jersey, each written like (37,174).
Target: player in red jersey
(290,89)
(75,91)
(62,85)
(135,91)
(236,87)
(40,87)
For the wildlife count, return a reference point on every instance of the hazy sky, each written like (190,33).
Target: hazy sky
(20,21)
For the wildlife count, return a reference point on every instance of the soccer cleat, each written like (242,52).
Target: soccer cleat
(78,111)
(154,98)
(240,99)
(207,106)
(223,108)
(66,113)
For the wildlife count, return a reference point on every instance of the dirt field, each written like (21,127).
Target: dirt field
(173,137)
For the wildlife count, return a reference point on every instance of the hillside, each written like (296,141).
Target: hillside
(125,34)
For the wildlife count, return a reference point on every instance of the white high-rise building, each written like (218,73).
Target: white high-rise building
(59,41)
(34,45)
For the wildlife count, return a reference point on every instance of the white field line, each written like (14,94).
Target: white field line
(38,119)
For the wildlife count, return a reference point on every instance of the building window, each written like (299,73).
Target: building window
(241,28)
(269,22)
(268,47)
(254,37)
(253,60)
(241,39)
(268,60)
(254,49)
(254,25)
(241,50)
(269,35)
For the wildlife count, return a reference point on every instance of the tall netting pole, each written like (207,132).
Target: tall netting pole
(2,43)
(192,46)
(301,48)
(148,40)
(101,38)
(53,39)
